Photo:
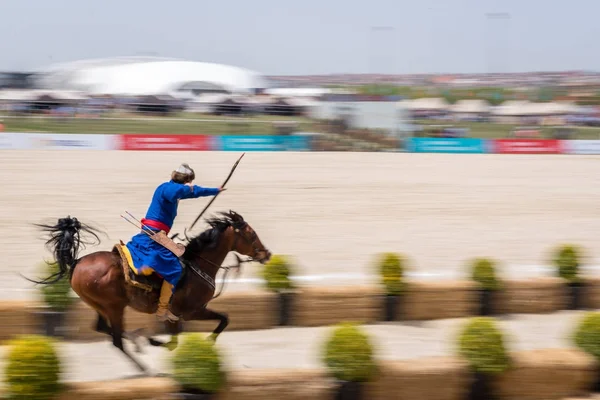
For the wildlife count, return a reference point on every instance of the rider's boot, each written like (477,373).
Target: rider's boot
(163,313)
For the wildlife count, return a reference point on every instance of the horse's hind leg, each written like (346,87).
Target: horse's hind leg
(173,329)
(116,322)
(102,326)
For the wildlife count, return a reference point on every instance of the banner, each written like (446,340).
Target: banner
(581,146)
(446,145)
(262,143)
(67,141)
(13,141)
(297,142)
(166,142)
(527,146)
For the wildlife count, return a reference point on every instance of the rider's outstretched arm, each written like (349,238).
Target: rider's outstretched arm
(181,191)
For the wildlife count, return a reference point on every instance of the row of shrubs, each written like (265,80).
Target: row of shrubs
(391,268)
(33,365)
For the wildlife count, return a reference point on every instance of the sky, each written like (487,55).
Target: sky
(277,37)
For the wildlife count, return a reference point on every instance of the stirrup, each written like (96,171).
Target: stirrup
(167,316)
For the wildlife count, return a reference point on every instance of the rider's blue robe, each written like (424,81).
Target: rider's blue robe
(145,252)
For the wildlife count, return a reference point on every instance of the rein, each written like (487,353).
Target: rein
(211,282)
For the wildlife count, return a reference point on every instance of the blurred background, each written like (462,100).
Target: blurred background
(407,159)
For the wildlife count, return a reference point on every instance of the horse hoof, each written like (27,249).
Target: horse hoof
(170,346)
(212,337)
(154,342)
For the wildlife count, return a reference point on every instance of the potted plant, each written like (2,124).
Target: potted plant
(391,270)
(483,271)
(587,337)
(58,299)
(481,343)
(198,368)
(276,273)
(32,369)
(348,354)
(567,259)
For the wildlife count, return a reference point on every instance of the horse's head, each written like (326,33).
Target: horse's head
(246,240)
(230,228)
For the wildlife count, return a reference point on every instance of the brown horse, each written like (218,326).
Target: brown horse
(100,279)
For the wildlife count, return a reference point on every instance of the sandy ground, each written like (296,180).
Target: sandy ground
(332,211)
(302,347)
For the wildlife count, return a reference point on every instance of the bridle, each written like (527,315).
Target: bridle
(237,231)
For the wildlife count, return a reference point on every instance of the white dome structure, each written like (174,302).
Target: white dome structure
(138,76)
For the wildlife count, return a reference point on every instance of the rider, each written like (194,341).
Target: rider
(160,216)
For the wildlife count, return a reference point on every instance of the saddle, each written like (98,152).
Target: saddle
(147,280)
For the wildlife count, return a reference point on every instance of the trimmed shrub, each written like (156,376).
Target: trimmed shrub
(481,343)
(33,368)
(483,271)
(197,364)
(348,354)
(58,294)
(391,269)
(567,259)
(277,272)
(587,334)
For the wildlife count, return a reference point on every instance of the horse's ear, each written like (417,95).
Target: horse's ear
(235,217)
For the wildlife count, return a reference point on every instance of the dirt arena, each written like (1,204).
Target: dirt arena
(332,211)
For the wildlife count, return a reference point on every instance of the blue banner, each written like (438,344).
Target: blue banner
(446,145)
(262,143)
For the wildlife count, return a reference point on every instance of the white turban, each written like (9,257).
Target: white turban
(184,169)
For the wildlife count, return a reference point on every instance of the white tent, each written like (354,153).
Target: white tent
(511,108)
(148,76)
(298,92)
(470,107)
(425,104)
(19,95)
(526,108)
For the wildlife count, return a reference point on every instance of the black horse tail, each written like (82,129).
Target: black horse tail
(65,241)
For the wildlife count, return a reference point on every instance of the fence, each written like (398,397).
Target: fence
(296,142)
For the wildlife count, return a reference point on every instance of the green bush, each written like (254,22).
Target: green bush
(483,271)
(197,364)
(32,371)
(277,273)
(348,354)
(481,343)
(567,259)
(587,334)
(391,269)
(58,294)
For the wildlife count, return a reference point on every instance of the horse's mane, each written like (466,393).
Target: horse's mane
(210,237)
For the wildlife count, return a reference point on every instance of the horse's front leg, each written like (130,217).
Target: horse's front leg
(205,314)
(202,314)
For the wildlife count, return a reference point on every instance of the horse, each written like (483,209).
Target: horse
(107,282)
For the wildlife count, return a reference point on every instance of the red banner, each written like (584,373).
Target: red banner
(527,146)
(165,142)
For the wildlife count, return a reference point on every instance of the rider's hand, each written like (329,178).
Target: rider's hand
(222,189)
